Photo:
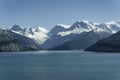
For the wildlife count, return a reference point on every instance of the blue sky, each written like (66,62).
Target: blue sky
(48,13)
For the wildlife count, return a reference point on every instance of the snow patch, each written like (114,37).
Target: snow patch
(64,26)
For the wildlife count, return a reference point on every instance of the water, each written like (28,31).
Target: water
(59,65)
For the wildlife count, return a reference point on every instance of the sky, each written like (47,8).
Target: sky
(48,13)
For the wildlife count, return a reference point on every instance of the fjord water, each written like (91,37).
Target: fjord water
(59,65)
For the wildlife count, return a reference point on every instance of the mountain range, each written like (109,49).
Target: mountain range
(78,36)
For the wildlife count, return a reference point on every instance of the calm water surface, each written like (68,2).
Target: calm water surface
(59,65)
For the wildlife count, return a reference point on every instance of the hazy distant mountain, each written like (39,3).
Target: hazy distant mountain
(110,44)
(10,41)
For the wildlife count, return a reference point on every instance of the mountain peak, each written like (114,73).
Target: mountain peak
(82,24)
(41,29)
(28,30)
(63,25)
(58,28)
(16,28)
(111,22)
(84,21)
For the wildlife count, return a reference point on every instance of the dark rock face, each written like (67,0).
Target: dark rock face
(13,45)
(82,41)
(10,41)
(110,44)
(16,28)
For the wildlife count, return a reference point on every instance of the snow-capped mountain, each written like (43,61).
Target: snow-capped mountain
(111,27)
(79,27)
(10,41)
(86,26)
(58,28)
(83,25)
(61,35)
(114,26)
(64,34)
(39,34)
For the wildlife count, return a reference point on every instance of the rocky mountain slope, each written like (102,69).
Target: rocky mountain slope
(10,41)
(110,44)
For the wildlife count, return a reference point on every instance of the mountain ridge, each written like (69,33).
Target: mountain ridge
(10,41)
(62,34)
(110,44)
(78,28)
